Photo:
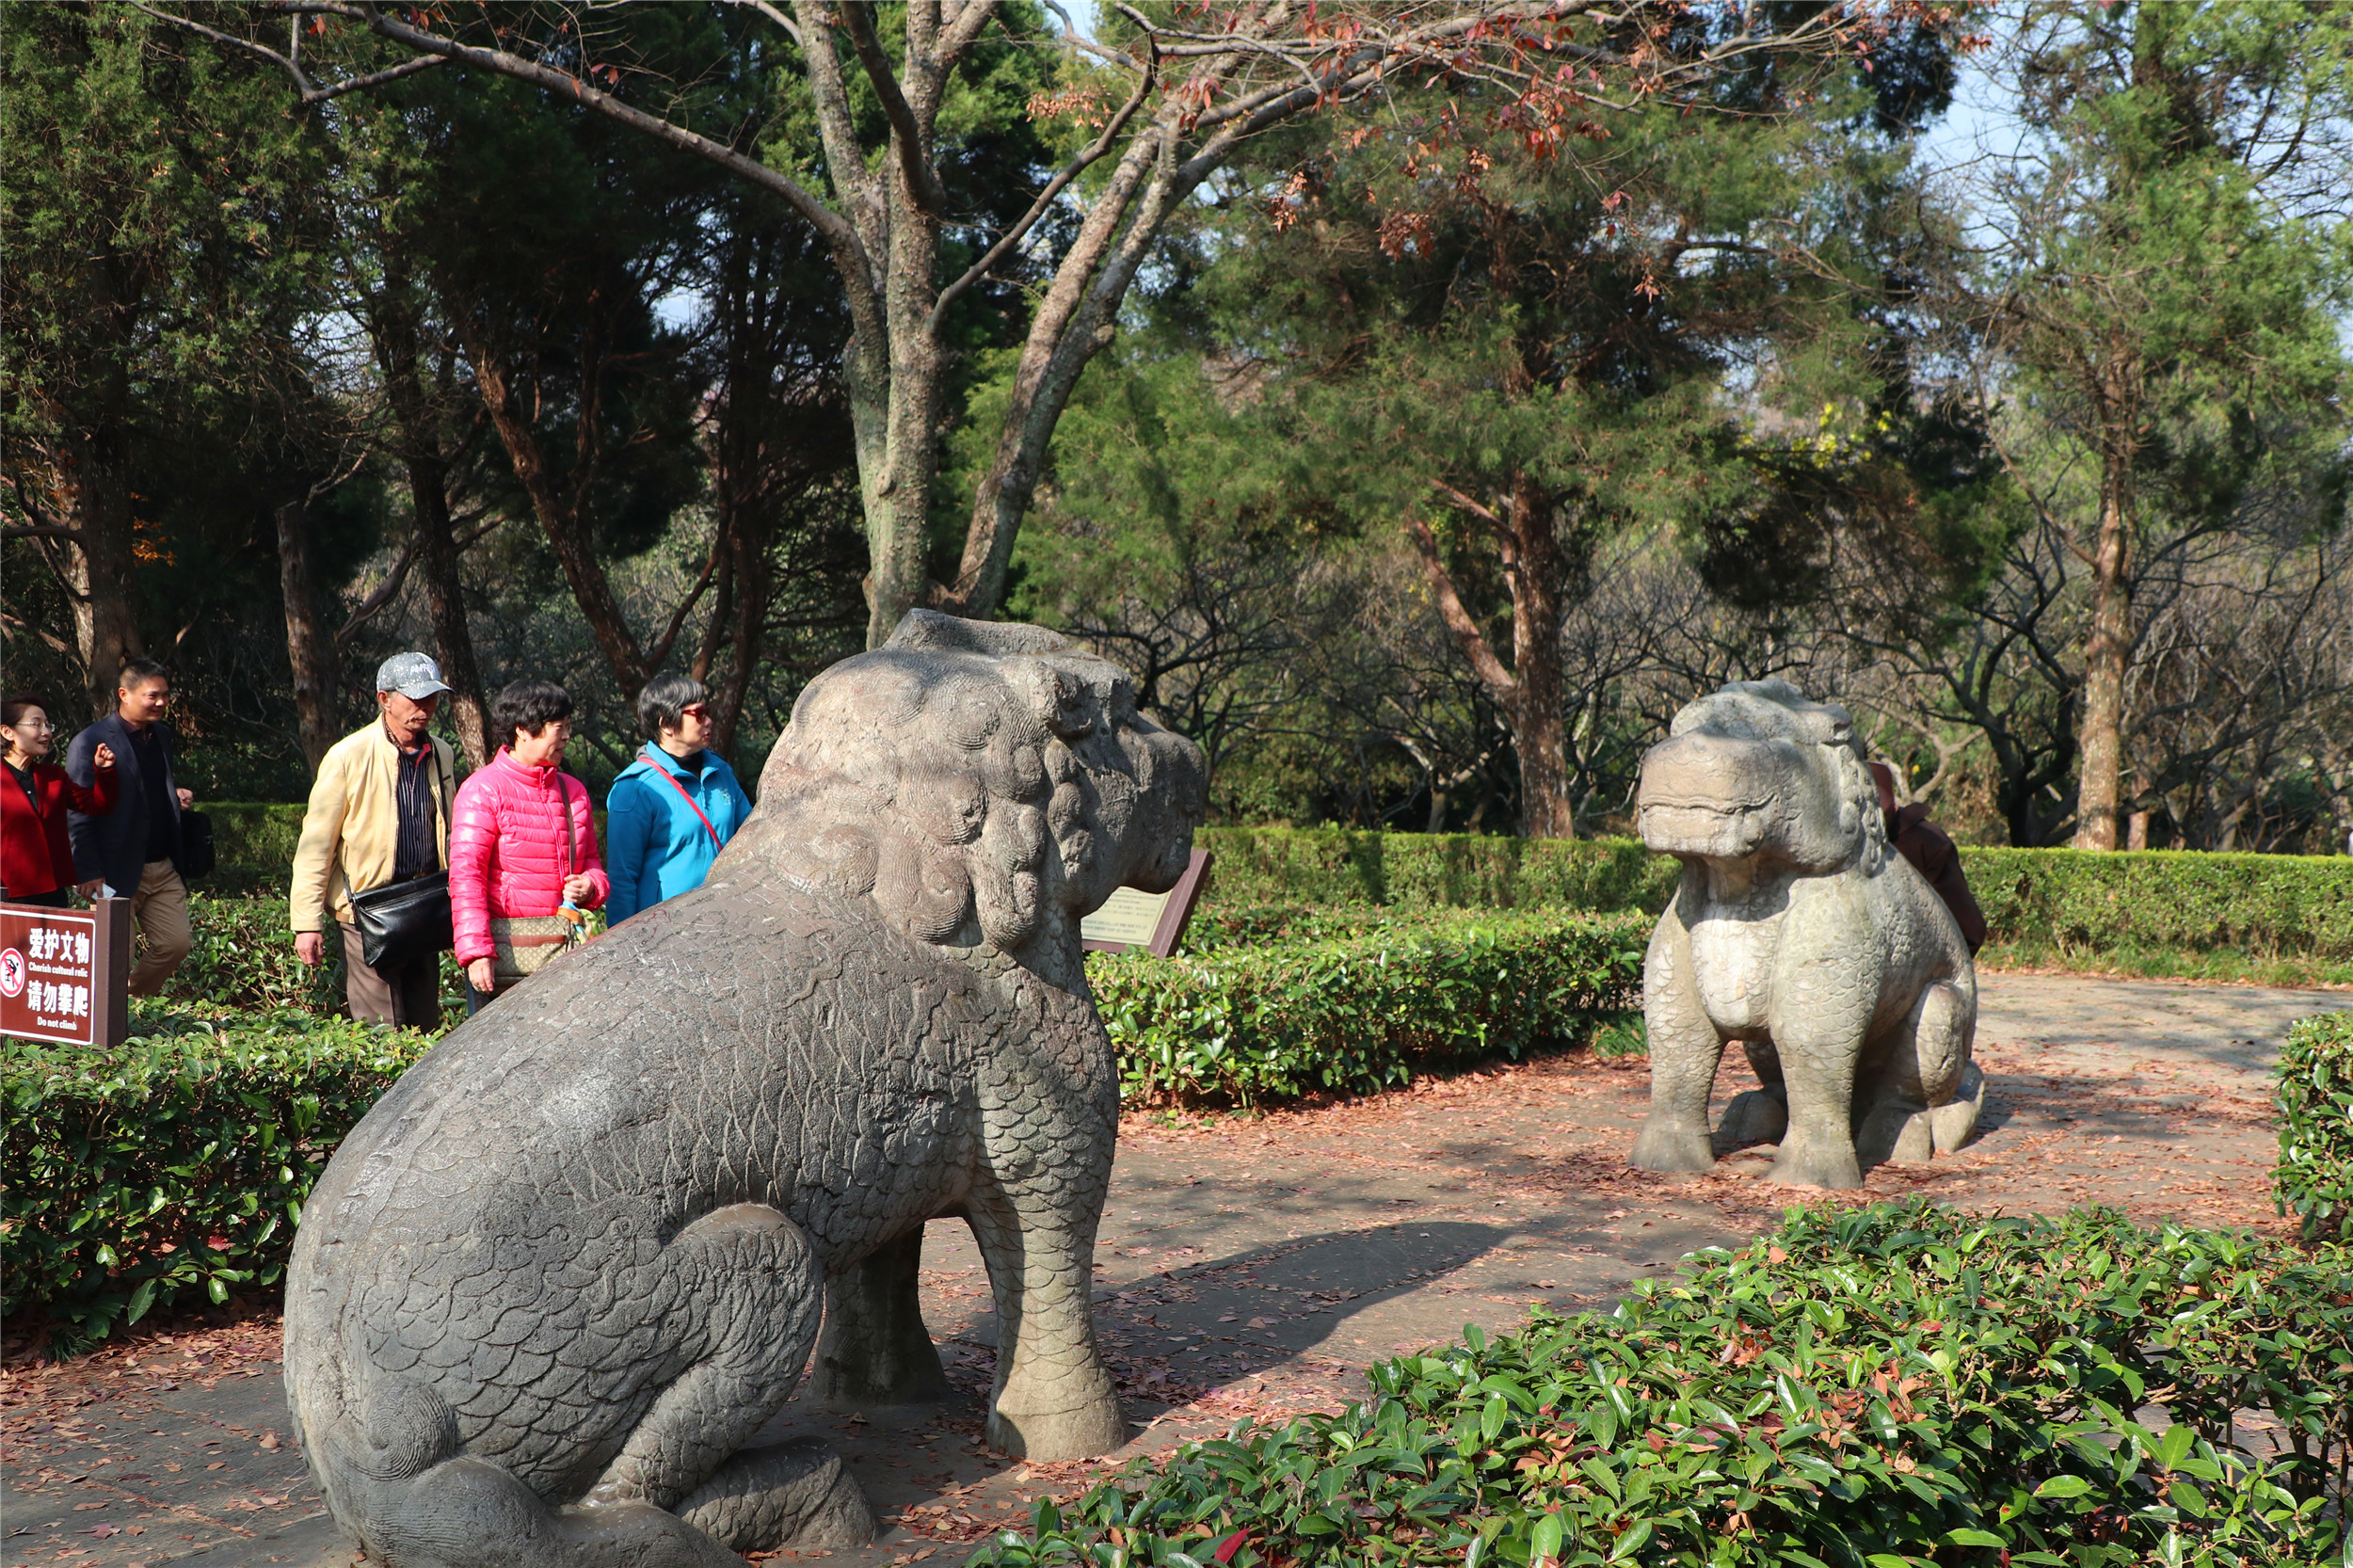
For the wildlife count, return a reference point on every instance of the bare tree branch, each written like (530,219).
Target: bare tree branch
(764,7)
(288,63)
(906,136)
(1054,188)
(1458,619)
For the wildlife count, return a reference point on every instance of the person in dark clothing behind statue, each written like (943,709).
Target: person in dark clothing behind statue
(137,848)
(1932,855)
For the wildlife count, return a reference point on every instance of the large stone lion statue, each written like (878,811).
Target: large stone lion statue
(553,1285)
(1797,931)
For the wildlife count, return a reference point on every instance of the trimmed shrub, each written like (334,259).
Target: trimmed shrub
(2315,1101)
(2040,904)
(171,1171)
(253,843)
(243,959)
(1895,1385)
(1337,865)
(2077,904)
(1360,1010)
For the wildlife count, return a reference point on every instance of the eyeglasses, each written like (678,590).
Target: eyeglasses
(695,710)
(35,726)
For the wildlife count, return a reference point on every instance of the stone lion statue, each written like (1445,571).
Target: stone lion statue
(1797,931)
(553,1285)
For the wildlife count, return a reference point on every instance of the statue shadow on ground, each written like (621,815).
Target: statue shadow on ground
(1189,1360)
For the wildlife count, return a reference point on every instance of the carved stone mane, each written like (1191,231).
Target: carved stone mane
(947,775)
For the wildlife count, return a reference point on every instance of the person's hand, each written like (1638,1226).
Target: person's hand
(482,974)
(578,889)
(310,946)
(103,757)
(187,798)
(90,889)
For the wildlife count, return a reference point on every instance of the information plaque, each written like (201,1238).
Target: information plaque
(65,973)
(1153,921)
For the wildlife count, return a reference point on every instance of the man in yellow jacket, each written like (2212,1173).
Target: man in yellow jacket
(378,815)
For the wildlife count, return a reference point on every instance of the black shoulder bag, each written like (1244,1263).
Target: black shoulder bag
(195,845)
(402,921)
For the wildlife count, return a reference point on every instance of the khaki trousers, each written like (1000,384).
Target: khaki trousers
(159,908)
(409,996)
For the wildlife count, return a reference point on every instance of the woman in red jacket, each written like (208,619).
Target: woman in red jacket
(521,841)
(36,862)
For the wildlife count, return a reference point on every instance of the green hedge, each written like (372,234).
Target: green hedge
(1895,1386)
(126,1167)
(170,1170)
(1339,865)
(2157,911)
(253,846)
(2314,1176)
(2067,904)
(243,959)
(1327,1006)
(2042,905)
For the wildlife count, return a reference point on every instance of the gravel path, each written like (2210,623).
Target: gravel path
(1256,1267)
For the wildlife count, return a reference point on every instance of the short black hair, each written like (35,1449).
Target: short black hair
(14,707)
(138,672)
(664,703)
(529,706)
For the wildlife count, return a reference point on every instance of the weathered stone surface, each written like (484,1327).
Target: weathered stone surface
(1798,931)
(553,1282)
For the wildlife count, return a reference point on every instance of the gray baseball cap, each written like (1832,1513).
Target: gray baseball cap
(413,675)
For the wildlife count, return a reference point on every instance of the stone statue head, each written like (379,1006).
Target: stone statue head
(1757,772)
(979,780)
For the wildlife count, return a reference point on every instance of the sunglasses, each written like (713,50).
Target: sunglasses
(695,710)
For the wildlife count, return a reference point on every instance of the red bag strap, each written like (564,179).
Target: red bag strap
(690,804)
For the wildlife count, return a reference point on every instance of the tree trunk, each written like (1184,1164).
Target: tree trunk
(1538,574)
(398,343)
(2099,785)
(1530,691)
(895,418)
(559,519)
(97,566)
(310,649)
(445,606)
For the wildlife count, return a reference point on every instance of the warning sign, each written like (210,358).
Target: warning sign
(63,972)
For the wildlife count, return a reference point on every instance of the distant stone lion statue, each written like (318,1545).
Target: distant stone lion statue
(1797,931)
(553,1285)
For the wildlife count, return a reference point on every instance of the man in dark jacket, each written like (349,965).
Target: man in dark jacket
(136,849)
(1932,855)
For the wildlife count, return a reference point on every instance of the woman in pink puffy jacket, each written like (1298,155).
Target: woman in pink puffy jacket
(515,827)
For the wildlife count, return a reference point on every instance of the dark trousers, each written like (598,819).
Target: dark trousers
(54,899)
(407,994)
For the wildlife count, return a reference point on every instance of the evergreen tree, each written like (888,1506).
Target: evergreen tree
(2166,250)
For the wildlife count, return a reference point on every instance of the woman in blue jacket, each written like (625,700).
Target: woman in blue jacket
(672,809)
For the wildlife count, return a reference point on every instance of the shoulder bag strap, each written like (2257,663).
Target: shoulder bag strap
(690,804)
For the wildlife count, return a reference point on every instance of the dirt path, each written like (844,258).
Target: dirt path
(1255,1268)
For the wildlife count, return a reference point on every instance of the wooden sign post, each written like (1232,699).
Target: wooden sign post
(65,974)
(1152,922)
